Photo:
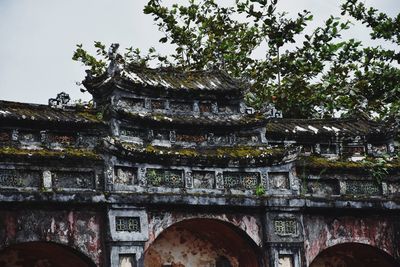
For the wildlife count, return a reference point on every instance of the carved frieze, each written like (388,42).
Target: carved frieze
(73,179)
(241,180)
(19,178)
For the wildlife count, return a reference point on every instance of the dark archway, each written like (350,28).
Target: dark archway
(353,255)
(203,242)
(42,254)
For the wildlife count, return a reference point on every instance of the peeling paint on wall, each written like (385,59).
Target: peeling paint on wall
(322,232)
(79,230)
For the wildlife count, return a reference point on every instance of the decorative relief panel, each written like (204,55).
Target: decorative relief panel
(204,179)
(19,178)
(180,106)
(362,188)
(131,103)
(161,177)
(140,133)
(66,140)
(161,134)
(157,104)
(205,107)
(224,108)
(191,138)
(127,224)
(279,180)
(241,180)
(285,227)
(327,149)
(29,137)
(125,175)
(73,179)
(379,150)
(354,150)
(323,188)
(245,139)
(5,136)
(394,188)
(220,139)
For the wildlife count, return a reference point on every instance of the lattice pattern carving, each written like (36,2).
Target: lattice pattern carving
(19,178)
(168,178)
(362,188)
(285,227)
(127,224)
(241,180)
(181,107)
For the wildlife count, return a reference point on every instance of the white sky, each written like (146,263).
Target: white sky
(38,37)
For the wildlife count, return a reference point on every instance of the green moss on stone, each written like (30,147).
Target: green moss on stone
(69,152)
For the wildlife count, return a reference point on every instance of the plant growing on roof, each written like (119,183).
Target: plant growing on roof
(321,75)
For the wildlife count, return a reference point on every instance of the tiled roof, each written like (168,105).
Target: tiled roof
(253,155)
(169,79)
(157,119)
(284,128)
(15,111)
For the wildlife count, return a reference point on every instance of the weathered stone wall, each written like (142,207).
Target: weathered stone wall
(79,229)
(324,231)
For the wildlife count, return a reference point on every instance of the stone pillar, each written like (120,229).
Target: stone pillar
(284,238)
(128,232)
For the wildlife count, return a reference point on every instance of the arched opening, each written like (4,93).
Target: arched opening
(353,255)
(42,254)
(202,242)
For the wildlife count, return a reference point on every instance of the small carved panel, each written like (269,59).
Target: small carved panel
(140,133)
(323,188)
(191,138)
(66,140)
(161,134)
(204,179)
(157,104)
(168,178)
(5,136)
(73,179)
(227,108)
(327,149)
(394,188)
(205,107)
(132,103)
(19,178)
(379,150)
(181,106)
(29,137)
(307,149)
(127,224)
(279,180)
(285,227)
(245,139)
(125,175)
(242,180)
(354,150)
(362,188)
(220,139)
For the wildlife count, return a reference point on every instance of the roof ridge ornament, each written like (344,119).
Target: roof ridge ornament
(115,60)
(61,100)
(270,111)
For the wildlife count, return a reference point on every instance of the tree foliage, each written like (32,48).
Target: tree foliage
(305,75)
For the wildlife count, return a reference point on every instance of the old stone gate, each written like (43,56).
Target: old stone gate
(170,168)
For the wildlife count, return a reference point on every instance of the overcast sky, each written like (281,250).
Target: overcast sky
(38,38)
